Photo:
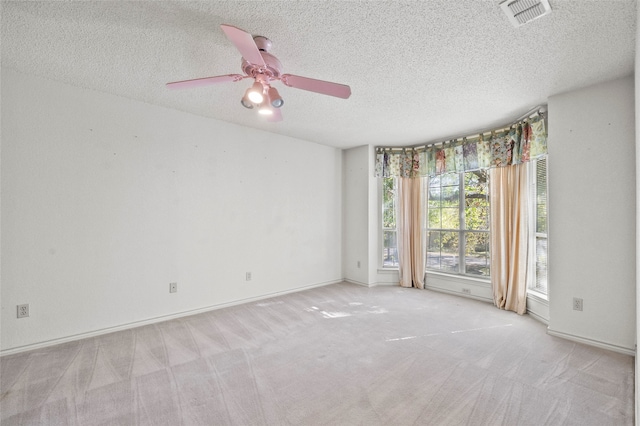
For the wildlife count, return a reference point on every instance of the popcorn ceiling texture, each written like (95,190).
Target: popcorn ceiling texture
(419,71)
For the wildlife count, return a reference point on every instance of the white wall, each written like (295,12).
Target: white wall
(592,203)
(355,216)
(105,201)
(362,218)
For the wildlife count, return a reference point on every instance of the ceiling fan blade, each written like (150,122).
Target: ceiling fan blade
(198,82)
(244,43)
(276,116)
(319,86)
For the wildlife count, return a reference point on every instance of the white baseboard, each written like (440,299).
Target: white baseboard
(591,342)
(457,293)
(376,284)
(356,282)
(538,317)
(382,284)
(162,318)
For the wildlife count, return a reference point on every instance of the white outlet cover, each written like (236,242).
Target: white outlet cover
(23,311)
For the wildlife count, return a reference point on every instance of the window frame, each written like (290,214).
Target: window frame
(462,231)
(383,229)
(534,235)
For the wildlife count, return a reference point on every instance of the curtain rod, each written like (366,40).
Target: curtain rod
(540,109)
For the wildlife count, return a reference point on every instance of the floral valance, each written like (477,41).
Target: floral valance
(522,142)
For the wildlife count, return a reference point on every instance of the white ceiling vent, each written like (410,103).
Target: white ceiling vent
(520,12)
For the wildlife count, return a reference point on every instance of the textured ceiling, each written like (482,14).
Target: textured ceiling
(419,71)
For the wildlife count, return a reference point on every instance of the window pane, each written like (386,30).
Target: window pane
(444,190)
(449,257)
(476,212)
(450,196)
(476,197)
(541,219)
(390,249)
(541,195)
(442,251)
(450,218)
(476,216)
(476,181)
(434,191)
(450,179)
(476,256)
(434,197)
(389,203)
(540,283)
(541,264)
(433,249)
(435,219)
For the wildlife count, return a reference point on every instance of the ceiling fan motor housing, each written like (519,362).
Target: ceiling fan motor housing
(273,68)
(262,43)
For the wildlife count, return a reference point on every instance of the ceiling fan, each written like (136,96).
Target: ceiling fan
(263,68)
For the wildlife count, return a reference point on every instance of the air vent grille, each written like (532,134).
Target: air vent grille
(520,12)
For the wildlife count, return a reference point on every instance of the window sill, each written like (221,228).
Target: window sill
(540,297)
(388,270)
(458,277)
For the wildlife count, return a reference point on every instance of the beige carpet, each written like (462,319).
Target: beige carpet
(336,355)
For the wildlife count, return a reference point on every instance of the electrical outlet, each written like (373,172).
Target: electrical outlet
(173,287)
(577,304)
(466,291)
(23,311)
(248,276)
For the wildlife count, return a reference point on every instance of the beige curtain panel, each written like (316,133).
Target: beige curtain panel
(411,250)
(509,192)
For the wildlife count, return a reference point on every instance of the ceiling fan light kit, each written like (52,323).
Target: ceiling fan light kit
(255,93)
(263,67)
(245,100)
(274,97)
